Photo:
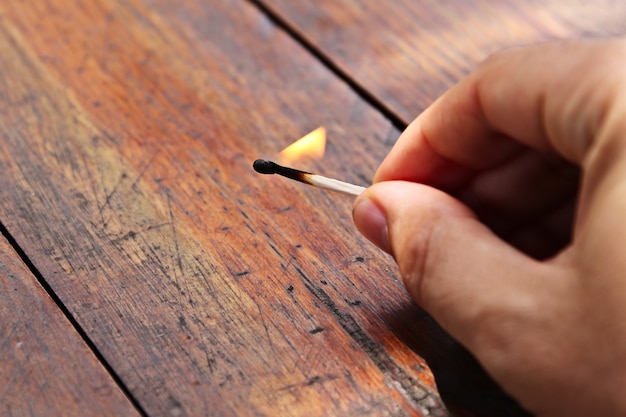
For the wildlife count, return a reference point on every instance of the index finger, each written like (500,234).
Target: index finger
(549,97)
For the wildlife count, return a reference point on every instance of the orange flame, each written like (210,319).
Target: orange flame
(311,145)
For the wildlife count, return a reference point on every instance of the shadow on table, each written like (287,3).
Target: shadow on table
(464,386)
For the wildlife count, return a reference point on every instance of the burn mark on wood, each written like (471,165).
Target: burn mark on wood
(249,228)
(317,379)
(276,251)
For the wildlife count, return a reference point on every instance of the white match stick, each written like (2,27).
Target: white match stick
(334,185)
(268,167)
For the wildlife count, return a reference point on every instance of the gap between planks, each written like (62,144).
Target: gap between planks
(73,322)
(300,38)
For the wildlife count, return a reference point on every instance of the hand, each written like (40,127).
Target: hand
(504,205)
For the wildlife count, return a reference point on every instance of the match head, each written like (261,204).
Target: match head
(263,166)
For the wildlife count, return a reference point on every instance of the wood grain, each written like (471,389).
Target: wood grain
(407,53)
(127,133)
(47,369)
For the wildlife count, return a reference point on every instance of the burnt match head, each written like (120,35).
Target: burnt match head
(263,166)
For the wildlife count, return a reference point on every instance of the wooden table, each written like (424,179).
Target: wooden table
(146,270)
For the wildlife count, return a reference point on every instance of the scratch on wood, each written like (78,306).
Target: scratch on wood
(276,250)
(291,259)
(419,395)
(179,260)
(130,235)
(249,227)
(107,200)
(317,379)
(157,226)
(143,170)
(267,332)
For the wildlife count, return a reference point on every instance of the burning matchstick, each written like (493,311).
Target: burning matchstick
(264,166)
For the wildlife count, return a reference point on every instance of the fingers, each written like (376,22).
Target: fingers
(522,192)
(494,300)
(487,140)
(452,265)
(548,97)
(554,97)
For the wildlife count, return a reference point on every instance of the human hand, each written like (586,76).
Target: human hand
(504,205)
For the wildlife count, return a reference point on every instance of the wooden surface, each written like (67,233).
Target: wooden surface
(47,368)
(180,282)
(406,53)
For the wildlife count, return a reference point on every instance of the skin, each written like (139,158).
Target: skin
(504,205)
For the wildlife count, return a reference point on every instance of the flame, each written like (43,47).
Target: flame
(311,145)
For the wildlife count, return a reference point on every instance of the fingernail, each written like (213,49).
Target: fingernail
(371,222)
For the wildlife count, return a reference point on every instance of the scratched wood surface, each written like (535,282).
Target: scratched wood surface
(406,53)
(127,133)
(37,343)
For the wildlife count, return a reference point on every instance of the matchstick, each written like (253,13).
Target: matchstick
(264,166)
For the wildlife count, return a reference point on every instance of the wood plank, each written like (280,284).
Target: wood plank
(407,53)
(47,368)
(127,133)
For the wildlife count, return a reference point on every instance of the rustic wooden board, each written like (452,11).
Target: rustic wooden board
(46,367)
(405,53)
(127,133)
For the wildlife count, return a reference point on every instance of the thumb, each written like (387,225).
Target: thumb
(452,265)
